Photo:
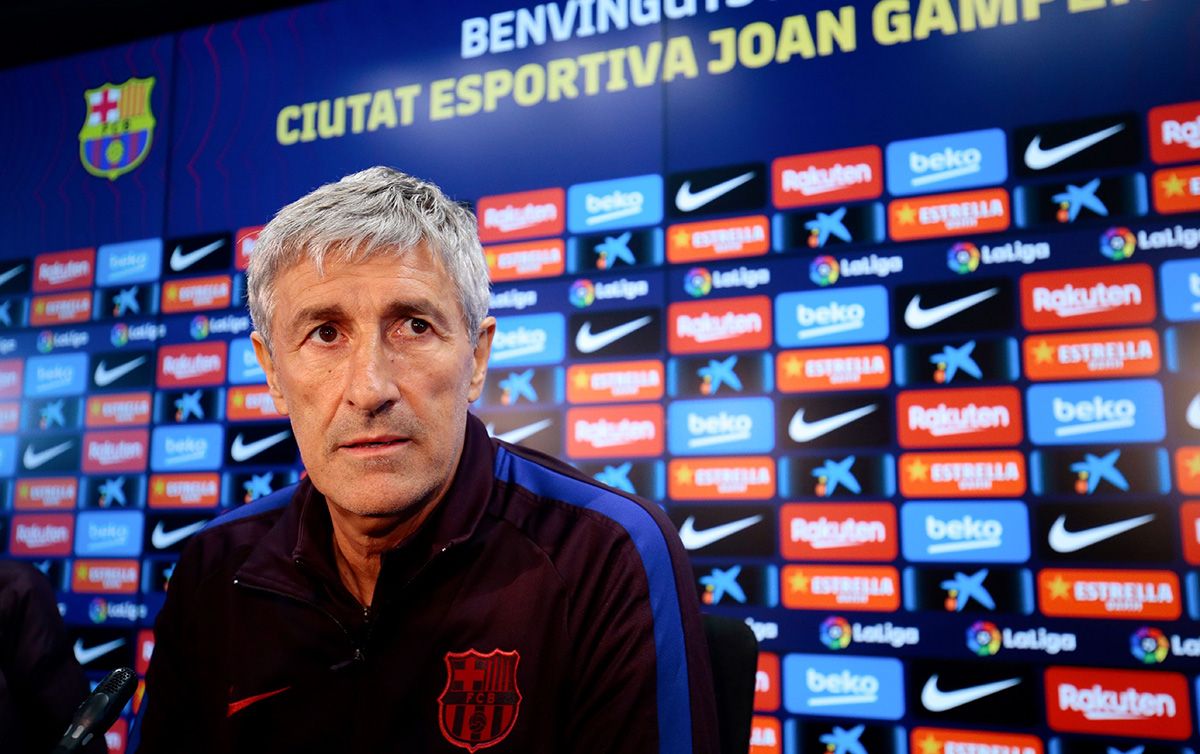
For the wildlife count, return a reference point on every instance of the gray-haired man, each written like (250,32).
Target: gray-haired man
(426,588)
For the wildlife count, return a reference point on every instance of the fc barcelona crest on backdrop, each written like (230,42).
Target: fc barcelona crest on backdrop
(481,700)
(118,128)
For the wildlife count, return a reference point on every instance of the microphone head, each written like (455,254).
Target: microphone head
(120,683)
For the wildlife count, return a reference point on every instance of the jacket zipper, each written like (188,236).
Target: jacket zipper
(367,611)
(358,653)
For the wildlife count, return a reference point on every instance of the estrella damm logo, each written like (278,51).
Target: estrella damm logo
(118,129)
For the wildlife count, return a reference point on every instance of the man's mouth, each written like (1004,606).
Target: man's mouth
(374,442)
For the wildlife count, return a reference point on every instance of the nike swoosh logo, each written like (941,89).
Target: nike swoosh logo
(1062,540)
(687,201)
(1037,158)
(694,540)
(241,450)
(84,655)
(181,261)
(105,376)
(10,274)
(241,704)
(515,436)
(802,431)
(162,539)
(34,459)
(1193,412)
(588,342)
(936,700)
(918,318)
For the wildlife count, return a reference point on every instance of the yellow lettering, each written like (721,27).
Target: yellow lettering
(441,100)
(561,73)
(284,133)
(795,38)
(616,71)
(934,15)
(725,40)
(1031,10)
(890,22)
(643,69)
(1082,6)
(407,96)
(756,44)
(308,131)
(839,28)
(358,110)
(986,14)
(679,60)
(470,95)
(383,111)
(331,127)
(591,71)
(529,85)
(496,84)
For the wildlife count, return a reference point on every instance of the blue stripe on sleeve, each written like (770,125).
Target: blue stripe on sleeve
(674,697)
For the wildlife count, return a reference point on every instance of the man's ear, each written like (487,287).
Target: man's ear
(263,354)
(483,351)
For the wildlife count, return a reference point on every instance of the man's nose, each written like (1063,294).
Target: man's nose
(373,379)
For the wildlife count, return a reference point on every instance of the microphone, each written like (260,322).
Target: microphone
(99,711)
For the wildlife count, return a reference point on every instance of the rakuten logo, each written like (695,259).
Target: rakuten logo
(704,326)
(1186,132)
(1120,295)
(1118,702)
(607,434)
(823,533)
(510,219)
(186,365)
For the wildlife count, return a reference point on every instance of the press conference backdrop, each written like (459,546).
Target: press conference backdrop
(894,306)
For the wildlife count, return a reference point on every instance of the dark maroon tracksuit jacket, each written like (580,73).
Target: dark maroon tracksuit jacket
(534,611)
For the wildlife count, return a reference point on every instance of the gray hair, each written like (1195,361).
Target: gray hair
(374,212)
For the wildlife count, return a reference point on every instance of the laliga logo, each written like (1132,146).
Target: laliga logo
(45,341)
(582,293)
(1118,244)
(835,632)
(963,257)
(98,610)
(199,328)
(698,282)
(983,638)
(119,335)
(1148,645)
(824,270)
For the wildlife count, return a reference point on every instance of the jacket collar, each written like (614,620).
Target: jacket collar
(296,554)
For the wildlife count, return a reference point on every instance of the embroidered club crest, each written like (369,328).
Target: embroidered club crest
(481,700)
(118,128)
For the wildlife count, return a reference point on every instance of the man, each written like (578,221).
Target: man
(426,588)
(41,683)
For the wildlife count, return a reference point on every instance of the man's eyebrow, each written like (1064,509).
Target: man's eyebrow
(419,306)
(320,313)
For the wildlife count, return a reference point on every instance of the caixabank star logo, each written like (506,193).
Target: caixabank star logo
(118,129)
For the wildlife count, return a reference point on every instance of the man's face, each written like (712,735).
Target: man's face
(375,368)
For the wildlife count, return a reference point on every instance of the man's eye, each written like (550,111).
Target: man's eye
(419,326)
(326,333)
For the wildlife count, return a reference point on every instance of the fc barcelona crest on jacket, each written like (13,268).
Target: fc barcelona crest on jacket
(481,700)
(118,128)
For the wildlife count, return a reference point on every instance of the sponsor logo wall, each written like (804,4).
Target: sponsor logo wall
(923,408)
